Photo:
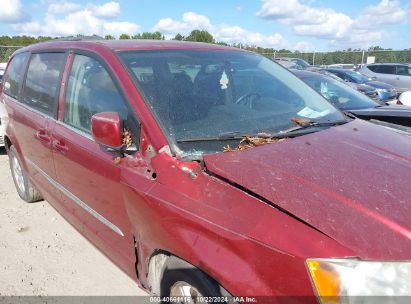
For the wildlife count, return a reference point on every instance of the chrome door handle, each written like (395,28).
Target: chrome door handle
(60,146)
(42,136)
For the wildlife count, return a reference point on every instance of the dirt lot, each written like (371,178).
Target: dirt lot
(41,254)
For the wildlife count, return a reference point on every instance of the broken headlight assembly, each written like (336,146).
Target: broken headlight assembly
(356,281)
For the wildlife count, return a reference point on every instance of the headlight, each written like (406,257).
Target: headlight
(344,280)
(381,90)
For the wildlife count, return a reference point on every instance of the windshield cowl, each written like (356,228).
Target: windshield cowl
(235,142)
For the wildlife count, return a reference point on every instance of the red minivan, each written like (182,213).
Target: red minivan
(207,171)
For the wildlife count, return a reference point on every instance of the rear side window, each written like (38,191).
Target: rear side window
(385,69)
(14,76)
(372,67)
(403,70)
(43,81)
(342,76)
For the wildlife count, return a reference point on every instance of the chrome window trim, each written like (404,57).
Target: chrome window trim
(78,201)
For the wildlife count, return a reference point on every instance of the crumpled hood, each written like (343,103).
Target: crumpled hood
(352,182)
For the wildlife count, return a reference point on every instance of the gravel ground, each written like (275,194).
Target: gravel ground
(42,255)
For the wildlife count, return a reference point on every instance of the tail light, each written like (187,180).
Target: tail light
(399,102)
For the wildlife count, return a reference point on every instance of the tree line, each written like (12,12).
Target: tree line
(355,56)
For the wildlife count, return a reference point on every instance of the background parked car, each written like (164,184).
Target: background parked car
(365,89)
(3,112)
(1,73)
(405,98)
(385,91)
(349,100)
(2,68)
(289,64)
(396,74)
(344,66)
(3,115)
(299,64)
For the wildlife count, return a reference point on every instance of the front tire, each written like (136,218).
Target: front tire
(24,187)
(183,280)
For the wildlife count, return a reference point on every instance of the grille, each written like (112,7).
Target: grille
(1,141)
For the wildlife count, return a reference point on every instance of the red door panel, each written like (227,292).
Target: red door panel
(90,182)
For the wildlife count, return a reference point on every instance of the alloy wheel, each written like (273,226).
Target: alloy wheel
(18,174)
(184,293)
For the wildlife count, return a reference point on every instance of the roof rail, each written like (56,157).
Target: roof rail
(78,38)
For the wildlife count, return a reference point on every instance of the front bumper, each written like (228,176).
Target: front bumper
(389,95)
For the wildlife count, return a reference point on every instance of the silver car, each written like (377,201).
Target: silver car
(396,74)
(3,117)
(3,113)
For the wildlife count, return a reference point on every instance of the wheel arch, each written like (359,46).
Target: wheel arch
(11,141)
(156,265)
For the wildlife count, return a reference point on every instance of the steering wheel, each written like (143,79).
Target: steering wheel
(248,98)
(334,100)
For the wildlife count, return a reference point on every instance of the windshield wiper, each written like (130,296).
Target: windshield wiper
(349,114)
(220,137)
(294,131)
(305,126)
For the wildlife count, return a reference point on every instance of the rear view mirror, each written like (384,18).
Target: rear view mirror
(106,129)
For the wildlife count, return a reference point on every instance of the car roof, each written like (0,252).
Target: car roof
(388,63)
(338,70)
(303,73)
(287,58)
(124,45)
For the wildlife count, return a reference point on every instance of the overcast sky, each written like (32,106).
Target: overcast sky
(294,24)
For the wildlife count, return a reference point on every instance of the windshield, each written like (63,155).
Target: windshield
(301,62)
(357,77)
(341,95)
(198,94)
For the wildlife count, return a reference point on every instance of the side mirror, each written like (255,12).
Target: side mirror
(106,129)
